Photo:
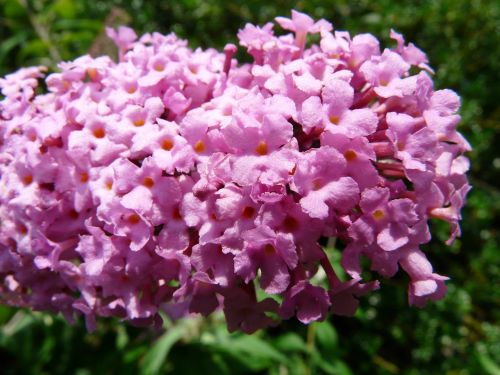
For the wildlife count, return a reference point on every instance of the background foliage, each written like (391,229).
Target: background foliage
(459,335)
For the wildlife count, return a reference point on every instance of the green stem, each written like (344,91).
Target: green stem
(311,332)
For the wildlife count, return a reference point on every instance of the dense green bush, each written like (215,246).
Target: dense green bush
(459,335)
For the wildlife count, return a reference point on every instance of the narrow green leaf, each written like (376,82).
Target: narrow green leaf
(156,357)
(487,363)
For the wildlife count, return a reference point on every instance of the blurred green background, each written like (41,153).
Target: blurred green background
(459,335)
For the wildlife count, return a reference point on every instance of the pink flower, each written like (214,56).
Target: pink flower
(344,296)
(339,96)
(261,128)
(243,312)
(254,38)
(425,285)
(273,253)
(385,222)
(381,70)
(302,24)
(310,303)
(410,53)
(319,180)
(123,37)
(182,181)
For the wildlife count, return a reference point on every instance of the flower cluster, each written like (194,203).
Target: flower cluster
(181,181)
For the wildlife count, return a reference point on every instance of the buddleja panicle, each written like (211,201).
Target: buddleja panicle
(182,181)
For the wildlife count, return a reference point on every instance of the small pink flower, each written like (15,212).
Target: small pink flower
(310,303)
(319,180)
(273,253)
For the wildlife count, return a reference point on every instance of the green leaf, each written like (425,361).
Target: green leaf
(487,363)
(156,357)
(253,352)
(8,44)
(79,23)
(326,336)
(297,366)
(5,314)
(13,9)
(64,8)
(290,342)
(122,338)
(207,362)
(329,365)
(21,321)
(35,47)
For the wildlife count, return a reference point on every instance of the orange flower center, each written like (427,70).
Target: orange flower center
(317,184)
(131,89)
(148,182)
(84,177)
(92,73)
(21,228)
(199,147)
(378,214)
(167,144)
(350,155)
(159,67)
(134,219)
(99,132)
(28,179)
(139,122)
(334,119)
(261,148)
